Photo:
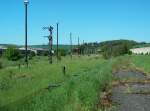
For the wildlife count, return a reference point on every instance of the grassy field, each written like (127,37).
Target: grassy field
(142,62)
(79,89)
(25,89)
(137,62)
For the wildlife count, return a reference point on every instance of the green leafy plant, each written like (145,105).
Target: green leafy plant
(1,65)
(62,52)
(5,83)
(116,48)
(59,56)
(12,53)
(31,55)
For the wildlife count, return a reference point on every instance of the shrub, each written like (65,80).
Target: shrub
(46,53)
(106,54)
(12,53)
(62,52)
(1,65)
(31,55)
(114,50)
(59,56)
(130,52)
(5,83)
(147,53)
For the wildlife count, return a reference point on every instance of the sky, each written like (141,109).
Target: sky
(90,20)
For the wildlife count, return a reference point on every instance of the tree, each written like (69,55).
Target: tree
(12,53)
(116,48)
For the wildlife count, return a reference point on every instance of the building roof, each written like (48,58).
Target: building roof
(143,50)
(3,47)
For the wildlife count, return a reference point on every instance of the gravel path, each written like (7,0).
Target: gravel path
(131,97)
(130,74)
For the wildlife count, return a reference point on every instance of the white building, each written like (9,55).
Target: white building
(37,51)
(144,50)
(2,49)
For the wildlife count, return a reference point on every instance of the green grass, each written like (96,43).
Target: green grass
(6,63)
(142,61)
(24,89)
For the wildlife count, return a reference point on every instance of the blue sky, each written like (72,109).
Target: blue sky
(91,20)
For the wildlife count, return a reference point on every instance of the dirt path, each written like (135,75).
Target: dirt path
(131,96)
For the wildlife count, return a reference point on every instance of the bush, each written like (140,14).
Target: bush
(106,55)
(5,83)
(1,65)
(114,50)
(147,53)
(12,53)
(59,56)
(130,52)
(31,55)
(62,52)
(46,53)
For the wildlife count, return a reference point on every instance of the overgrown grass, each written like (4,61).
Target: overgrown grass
(6,63)
(24,89)
(121,63)
(1,64)
(142,61)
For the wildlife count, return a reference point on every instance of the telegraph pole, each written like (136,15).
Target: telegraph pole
(26,2)
(71,45)
(51,44)
(83,47)
(78,46)
(57,41)
(50,38)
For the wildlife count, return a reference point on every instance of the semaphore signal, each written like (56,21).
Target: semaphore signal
(50,38)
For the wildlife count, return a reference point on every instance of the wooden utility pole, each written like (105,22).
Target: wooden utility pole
(78,46)
(71,45)
(51,45)
(57,41)
(83,48)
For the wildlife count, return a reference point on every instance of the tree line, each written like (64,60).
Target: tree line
(116,48)
(107,48)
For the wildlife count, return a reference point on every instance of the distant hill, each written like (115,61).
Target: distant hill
(6,45)
(112,43)
(66,47)
(132,43)
(143,44)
